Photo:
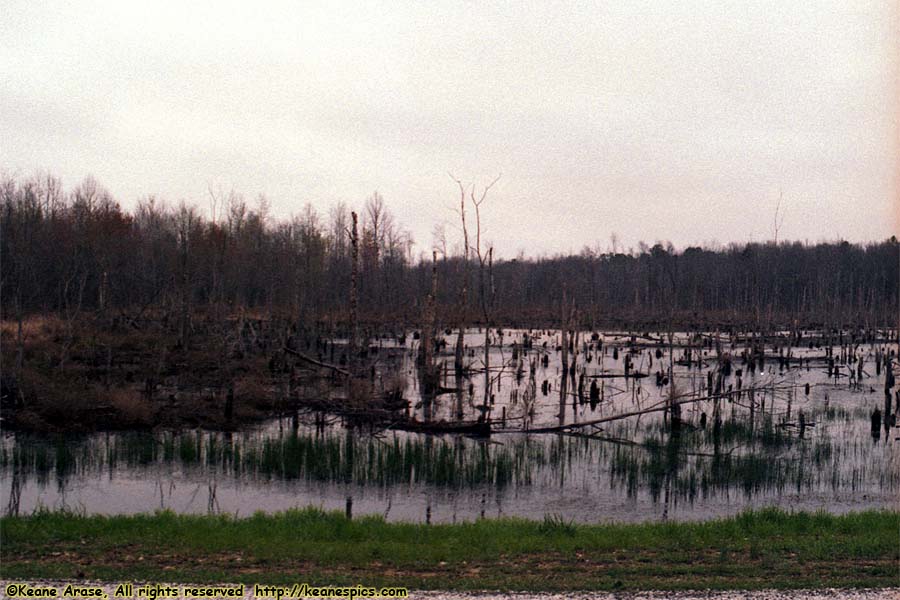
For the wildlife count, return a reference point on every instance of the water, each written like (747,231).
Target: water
(626,470)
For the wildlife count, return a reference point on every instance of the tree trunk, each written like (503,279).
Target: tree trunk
(354,317)
(20,337)
(183,316)
(464,292)
(428,329)
(564,331)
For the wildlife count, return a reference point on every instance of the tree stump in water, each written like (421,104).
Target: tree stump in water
(876,423)
(229,403)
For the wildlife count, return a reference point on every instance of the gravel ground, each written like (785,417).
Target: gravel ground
(826,594)
(886,594)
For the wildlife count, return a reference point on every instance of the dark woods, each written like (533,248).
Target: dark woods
(75,252)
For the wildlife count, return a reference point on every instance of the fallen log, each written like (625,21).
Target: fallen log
(446,390)
(662,406)
(635,375)
(318,363)
(481,429)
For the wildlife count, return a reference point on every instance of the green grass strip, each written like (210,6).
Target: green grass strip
(763,549)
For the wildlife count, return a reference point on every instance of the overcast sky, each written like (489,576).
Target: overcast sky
(656,120)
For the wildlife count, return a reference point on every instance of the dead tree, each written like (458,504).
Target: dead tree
(429,327)
(486,283)
(354,274)
(464,290)
(187,221)
(20,338)
(564,331)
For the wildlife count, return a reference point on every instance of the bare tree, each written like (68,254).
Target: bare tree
(187,222)
(487,291)
(464,289)
(354,273)
(439,239)
(429,326)
(376,220)
(779,217)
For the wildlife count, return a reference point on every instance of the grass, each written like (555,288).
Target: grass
(764,549)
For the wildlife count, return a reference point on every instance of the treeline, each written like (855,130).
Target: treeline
(78,251)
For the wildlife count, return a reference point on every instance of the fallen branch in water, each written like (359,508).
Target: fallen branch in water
(313,361)
(659,407)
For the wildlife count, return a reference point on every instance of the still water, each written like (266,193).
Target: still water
(762,453)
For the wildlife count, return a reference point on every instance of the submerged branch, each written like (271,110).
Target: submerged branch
(318,363)
(659,407)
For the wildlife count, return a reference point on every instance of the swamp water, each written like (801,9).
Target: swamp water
(761,454)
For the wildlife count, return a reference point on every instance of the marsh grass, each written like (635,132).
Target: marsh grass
(333,457)
(690,466)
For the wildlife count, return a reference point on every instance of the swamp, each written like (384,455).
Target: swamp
(161,368)
(718,424)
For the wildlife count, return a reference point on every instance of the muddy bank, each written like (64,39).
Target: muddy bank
(134,374)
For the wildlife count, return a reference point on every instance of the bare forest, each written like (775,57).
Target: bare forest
(77,253)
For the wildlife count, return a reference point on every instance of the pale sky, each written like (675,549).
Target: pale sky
(656,120)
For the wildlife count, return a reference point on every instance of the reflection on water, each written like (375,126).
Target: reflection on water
(778,445)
